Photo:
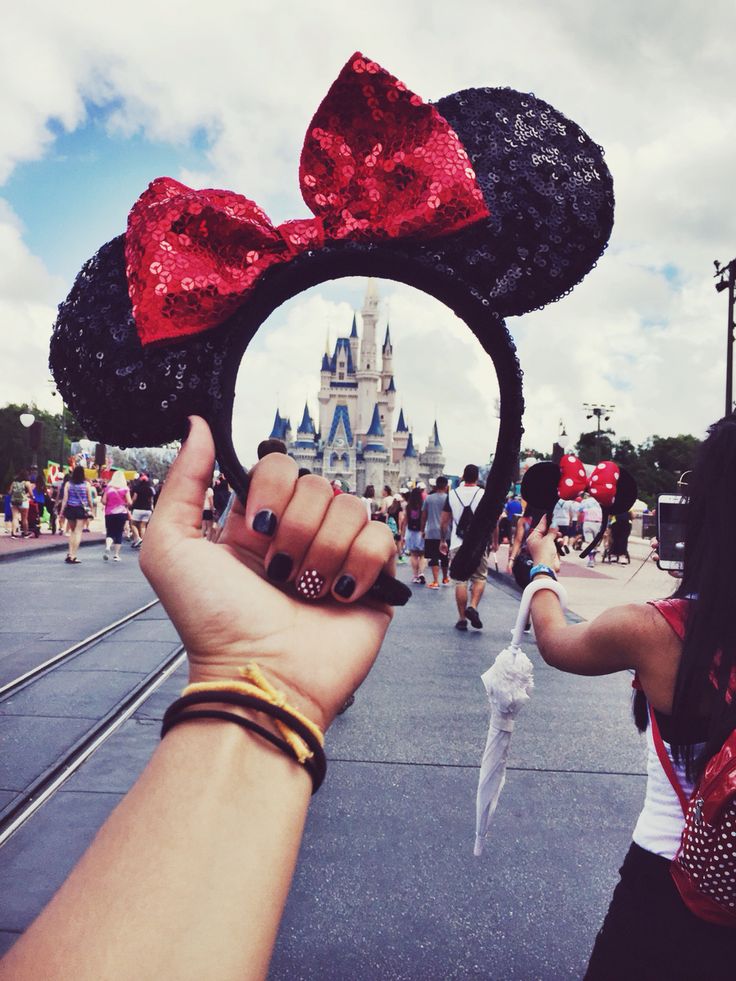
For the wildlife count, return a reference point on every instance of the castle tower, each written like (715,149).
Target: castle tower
(355,342)
(409,469)
(432,460)
(401,438)
(324,394)
(375,453)
(304,448)
(369,371)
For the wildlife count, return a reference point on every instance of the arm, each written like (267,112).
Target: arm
(188,877)
(634,636)
(423,518)
(518,541)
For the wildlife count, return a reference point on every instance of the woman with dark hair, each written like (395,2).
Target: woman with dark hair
(683,651)
(410,529)
(76,502)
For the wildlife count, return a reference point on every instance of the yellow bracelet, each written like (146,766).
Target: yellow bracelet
(257,684)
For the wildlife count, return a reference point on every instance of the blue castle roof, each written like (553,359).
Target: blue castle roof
(375,428)
(391,386)
(279,427)
(410,451)
(306,425)
(344,344)
(387,338)
(340,414)
(325,362)
(436,436)
(354,331)
(401,426)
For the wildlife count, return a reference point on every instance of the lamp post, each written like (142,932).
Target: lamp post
(599,411)
(726,276)
(26,420)
(561,444)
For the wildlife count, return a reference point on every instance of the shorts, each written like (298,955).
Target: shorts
(432,551)
(480,574)
(114,524)
(414,541)
(143,516)
(25,505)
(207,516)
(75,512)
(650,933)
(564,530)
(590,530)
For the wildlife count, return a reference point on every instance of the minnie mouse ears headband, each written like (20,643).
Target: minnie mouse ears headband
(613,487)
(489,200)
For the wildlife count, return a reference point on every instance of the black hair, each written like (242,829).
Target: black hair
(709,645)
(440,482)
(78,474)
(271,445)
(370,491)
(470,474)
(415,498)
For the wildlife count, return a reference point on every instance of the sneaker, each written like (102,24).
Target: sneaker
(446,581)
(415,580)
(591,563)
(472,614)
(106,556)
(116,558)
(137,544)
(461,625)
(433,585)
(421,580)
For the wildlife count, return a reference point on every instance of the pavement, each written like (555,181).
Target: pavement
(387,885)
(17,548)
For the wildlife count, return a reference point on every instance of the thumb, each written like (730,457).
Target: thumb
(179,509)
(542,525)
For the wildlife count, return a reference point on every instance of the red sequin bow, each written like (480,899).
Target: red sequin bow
(602,483)
(378,163)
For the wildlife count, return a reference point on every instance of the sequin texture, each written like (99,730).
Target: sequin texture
(309,584)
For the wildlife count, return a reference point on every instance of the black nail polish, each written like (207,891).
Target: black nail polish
(345,586)
(279,568)
(390,590)
(264,522)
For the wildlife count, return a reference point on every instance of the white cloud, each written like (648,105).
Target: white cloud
(650,82)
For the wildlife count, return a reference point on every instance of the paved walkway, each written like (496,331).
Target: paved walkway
(15,548)
(387,886)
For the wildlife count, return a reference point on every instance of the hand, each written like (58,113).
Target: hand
(654,555)
(226,610)
(541,545)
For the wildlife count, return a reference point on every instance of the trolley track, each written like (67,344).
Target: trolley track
(61,761)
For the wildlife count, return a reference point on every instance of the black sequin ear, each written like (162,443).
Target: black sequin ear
(122,393)
(539,487)
(626,493)
(549,192)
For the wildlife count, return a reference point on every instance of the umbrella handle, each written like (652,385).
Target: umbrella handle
(544,582)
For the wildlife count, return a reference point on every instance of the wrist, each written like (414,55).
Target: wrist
(541,569)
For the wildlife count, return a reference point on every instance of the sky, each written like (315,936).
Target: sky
(97,100)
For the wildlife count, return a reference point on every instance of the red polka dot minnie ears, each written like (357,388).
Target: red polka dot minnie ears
(612,486)
(490,200)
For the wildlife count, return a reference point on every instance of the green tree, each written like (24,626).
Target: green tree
(592,448)
(16,452)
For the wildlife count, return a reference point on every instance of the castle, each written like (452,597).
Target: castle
(355,439)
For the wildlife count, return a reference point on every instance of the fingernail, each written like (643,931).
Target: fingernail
(345,586)
(310,583)
(185,435)
(279,568)
(264,522)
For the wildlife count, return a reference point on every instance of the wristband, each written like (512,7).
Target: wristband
(536,569)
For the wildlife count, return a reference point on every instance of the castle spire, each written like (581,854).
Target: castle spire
(354,330)
(306,425)
(278,426)
(436,436)
(401,426)
(376,429)
(410,451)
(387,340)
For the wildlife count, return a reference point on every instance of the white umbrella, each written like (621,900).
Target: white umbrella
(508,682)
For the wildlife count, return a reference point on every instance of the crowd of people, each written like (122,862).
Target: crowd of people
(67,505)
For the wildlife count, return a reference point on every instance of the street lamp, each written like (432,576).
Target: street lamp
(63,421)
(27,419)
(561,444)
(599,411)
(726,276)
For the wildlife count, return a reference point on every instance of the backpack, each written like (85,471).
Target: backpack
(17,492)
(466,517)
(414,521)
(704,868)
(394,508)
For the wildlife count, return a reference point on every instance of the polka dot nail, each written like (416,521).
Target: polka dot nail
(309,584)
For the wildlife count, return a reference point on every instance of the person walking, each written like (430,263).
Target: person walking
(590,516)
(410,529)
(74,506)
(683,653)
(142,496)
(431,528)
(467,495)
(117,502)
(21,491)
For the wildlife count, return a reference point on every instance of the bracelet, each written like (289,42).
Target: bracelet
(540,567)
(313,759)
